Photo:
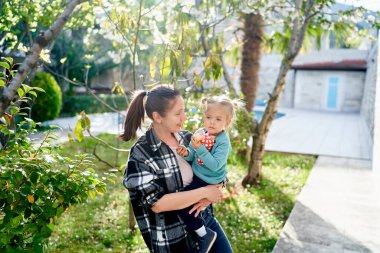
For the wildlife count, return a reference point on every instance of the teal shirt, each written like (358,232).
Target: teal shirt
(214,167)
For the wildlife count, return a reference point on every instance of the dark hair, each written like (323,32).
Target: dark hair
(157,100)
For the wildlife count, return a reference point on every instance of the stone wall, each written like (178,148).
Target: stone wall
(368,102)
(372,118)
(270,66)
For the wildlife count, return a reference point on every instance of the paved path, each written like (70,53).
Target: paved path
(100,123)
(320,133)
(338,210)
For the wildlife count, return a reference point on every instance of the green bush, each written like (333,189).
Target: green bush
(46,106)
(37,184)
(72,105)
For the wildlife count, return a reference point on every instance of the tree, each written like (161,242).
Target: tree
(303,18)
(9,92)
(250,63)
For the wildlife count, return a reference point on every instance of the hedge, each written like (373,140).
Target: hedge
(72,105)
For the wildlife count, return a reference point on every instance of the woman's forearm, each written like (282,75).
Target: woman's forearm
(179,200)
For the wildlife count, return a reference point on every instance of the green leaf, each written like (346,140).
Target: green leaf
(8,59)
(5,65)
(33,93)
(92,193)
(63,60)
(20,92)
(83,123)
(78,131)
(38,89)
(26,88)
(165,67)
(34,177)
(100,189)
(2,83)
(188,60)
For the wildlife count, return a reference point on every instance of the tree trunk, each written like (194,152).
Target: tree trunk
(7,94)
(258,145)
(294,46)
(249,80)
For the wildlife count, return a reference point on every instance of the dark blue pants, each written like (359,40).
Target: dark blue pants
(221,245)
(192,223)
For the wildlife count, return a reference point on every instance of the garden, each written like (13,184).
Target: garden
(61,188)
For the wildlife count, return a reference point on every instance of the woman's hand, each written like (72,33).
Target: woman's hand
(214,192)
(182,151)
(200,206)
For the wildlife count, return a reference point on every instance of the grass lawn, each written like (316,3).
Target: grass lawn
(252,218)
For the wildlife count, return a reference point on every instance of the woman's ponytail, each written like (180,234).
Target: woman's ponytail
(135,116)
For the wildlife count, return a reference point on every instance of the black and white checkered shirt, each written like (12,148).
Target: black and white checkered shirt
(152,171)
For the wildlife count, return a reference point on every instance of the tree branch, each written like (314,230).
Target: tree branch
(106,144)
(83,85)
(43,39)
(100,159)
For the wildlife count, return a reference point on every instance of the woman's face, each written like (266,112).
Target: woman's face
(175,116)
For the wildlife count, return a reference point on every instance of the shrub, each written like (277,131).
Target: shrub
(46,106)
(36,183)
(72,105)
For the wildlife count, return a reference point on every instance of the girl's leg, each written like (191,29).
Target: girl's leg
(192,223)
(221,245)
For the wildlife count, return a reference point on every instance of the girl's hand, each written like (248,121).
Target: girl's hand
(200,206)
(196,140)
(182,151)
(214,192)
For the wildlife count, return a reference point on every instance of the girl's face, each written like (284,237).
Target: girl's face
(215,119)
(175,116)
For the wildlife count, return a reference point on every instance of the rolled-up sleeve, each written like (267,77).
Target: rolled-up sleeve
(143,182)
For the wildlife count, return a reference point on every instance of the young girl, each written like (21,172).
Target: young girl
(155,175)
(208,152)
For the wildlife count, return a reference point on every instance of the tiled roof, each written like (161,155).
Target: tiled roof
(341,65)
(336,59)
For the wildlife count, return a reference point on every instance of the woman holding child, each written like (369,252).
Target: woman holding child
(170,173)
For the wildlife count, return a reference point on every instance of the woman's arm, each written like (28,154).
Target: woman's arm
(180,200)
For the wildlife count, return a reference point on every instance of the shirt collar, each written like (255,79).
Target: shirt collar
(155,142)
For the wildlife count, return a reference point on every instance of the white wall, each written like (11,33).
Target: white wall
(376,129)
(311,88)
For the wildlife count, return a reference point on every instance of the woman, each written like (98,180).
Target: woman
(155,175)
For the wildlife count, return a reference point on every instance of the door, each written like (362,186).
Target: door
(332,93)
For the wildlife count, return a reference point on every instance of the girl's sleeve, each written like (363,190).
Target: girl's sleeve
(216,160)
(143,182)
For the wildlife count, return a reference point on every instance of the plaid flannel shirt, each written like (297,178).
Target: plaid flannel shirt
(152,171)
